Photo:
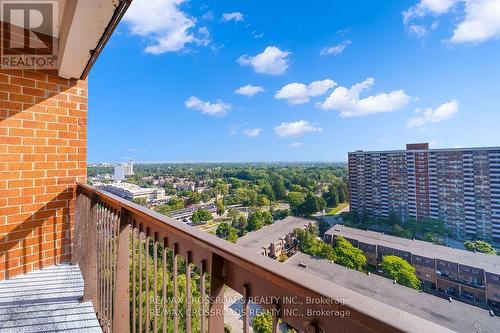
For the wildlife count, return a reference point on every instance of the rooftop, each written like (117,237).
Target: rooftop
(487,262)
(258,239)
(421,147)
(131,188)
(454,315)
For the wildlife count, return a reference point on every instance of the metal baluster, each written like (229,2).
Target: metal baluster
(246,309)
(106,267)
(188,291)
(99,261)
(114,263)
(155,287)
(165,284)
(147,279)
(203,272)
(175,291)
(276,321)
(134,230)
(140,278)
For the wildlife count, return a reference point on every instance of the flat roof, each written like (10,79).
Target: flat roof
(422,150)
(454,315)
(489,263)
(256,240)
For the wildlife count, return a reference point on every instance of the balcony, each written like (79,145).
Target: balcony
(73,258)
(143,272)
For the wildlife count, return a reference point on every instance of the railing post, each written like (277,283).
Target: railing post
(246,309)
(84,251)
(216,309)
(121,313)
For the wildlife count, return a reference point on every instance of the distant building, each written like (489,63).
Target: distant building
(275,239)
(459,186)
(119,174)
(468,276)
(185,186)
(129,168)
(123,170)
(456,316)
(132,192)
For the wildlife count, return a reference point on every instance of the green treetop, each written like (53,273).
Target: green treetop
(398,269)
(480,246)
(201,215)
(347,255)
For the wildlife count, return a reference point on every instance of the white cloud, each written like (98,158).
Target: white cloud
(482,22)
(478,20)
(234,16)
(295,144)
(299,93)
(271,61)
(249,90)
(348,102)
(425,7)
(431,116)
(164,25)
(335,49)
(417,30)
(217,109)
(296,128)
(136,150)
(252,132)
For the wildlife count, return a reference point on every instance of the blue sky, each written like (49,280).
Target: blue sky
(320,78)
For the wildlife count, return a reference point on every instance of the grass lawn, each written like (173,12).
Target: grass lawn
(336,210)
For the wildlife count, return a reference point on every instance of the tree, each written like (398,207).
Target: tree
(347,255)
(194,197)
(398,231)
(323,227)
(310,244)
(233,214)
(401,271)
(258,219)
(176,203)
(220,207)
(280,214)
(141,201)
(312,204)
(227,232)
(240,224)
(263,322)
(433,238)
(268,191)
(332,197)
(201,215)
(279,188)
(480,246)
(262,201)
(220,187)
(342,192)
(296,199)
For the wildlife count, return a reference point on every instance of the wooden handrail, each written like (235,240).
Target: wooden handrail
(248,273)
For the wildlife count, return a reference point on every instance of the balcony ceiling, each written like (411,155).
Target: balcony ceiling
(84,28)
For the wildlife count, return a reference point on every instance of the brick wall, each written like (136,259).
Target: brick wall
(43,128)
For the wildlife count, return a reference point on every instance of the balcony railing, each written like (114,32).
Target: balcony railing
(144,272)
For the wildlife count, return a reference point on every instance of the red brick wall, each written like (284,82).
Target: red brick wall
(43,147)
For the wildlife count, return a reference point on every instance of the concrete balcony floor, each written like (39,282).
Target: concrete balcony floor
(46,300)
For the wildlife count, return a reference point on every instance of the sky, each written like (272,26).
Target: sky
(237,81)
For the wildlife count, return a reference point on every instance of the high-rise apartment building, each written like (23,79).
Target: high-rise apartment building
(459,186)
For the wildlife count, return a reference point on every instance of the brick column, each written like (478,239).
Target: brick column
(43,147)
